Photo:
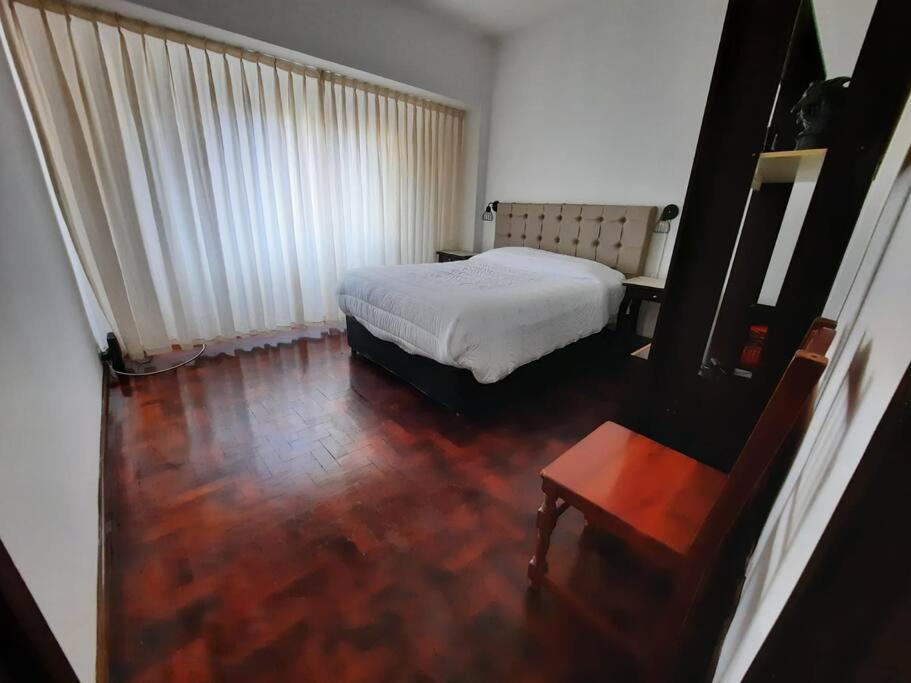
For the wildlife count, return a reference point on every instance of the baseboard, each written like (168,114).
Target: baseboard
(102,658)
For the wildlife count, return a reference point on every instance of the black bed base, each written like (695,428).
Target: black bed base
(458,390)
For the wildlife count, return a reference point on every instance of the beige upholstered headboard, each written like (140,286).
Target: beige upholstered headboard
(616,236)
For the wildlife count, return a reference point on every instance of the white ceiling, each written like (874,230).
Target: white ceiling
(496,17)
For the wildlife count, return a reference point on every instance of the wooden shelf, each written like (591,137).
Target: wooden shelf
(795,166)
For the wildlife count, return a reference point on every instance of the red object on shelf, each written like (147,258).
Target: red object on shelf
(752,350)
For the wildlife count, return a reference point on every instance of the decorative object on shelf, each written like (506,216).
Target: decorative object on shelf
(751,355)
(490,211)
(819,110)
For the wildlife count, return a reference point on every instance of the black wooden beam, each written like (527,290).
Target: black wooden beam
(748,68)
(878,92)
(28,649)
(768,204)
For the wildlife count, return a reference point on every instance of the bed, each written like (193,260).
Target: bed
(467,332)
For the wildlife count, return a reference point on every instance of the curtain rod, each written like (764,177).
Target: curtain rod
(140,26)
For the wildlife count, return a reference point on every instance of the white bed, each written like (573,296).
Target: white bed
(489,314)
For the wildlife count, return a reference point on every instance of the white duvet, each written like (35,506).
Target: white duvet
(489,314)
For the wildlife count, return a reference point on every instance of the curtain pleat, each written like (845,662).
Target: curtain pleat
(211,193)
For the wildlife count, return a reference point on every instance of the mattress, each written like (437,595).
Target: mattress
(489,314)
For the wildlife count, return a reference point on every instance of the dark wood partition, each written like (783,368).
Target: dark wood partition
(767,205)
(879,90)
(692,406)
(748,68)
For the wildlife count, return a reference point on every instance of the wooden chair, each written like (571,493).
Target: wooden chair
(668,507)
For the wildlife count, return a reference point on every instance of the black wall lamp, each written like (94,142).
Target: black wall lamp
(669,213)
(490,211)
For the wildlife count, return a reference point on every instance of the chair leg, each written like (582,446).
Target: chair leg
(547,520)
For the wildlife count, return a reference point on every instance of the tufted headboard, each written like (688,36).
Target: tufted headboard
(616,236)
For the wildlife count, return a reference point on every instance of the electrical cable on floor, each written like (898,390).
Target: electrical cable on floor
(158,372)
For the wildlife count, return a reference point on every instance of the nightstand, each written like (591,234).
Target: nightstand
(638,289)
(446,255)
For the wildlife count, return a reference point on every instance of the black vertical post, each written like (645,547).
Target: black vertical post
(28,649)
(748,68)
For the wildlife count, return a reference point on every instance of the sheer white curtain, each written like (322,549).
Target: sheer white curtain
(213,193)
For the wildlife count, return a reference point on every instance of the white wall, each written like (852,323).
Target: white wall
(603,104)
(842,25)
(387,38)
(50,402)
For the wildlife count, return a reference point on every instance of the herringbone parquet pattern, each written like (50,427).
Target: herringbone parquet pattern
(280,511)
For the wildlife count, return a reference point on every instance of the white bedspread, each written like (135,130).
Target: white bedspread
(489,314)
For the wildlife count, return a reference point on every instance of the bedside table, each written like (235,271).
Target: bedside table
(446,255)
(637,290)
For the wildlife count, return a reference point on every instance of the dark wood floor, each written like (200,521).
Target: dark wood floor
(285,512)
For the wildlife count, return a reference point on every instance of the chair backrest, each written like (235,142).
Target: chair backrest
(778,420)
(747,479)
(819,337)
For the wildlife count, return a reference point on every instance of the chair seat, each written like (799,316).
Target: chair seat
(653,489)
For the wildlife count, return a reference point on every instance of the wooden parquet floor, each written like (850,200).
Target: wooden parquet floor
(280,511)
